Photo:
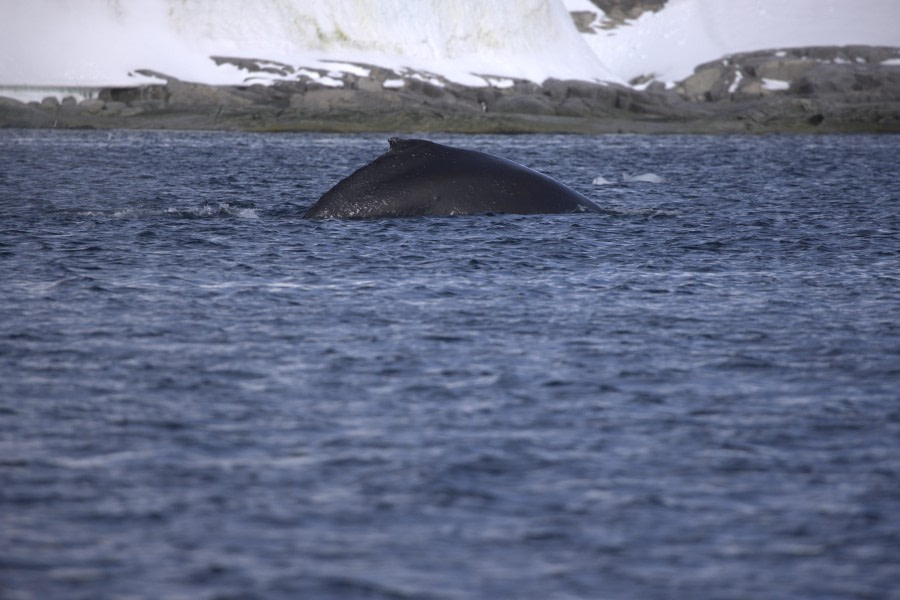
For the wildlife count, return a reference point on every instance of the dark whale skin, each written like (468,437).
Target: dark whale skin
(418,178)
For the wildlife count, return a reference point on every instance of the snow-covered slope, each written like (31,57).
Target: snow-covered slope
(668,44)
(65,43)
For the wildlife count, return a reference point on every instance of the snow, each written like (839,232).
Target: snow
(499,82)
(100,43)
(329,80)
(738,76)
(352,69)
(775,85)
(685,33)
(77,47)
(432,79)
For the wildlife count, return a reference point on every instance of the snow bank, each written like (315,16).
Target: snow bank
(668,44)
(98,43)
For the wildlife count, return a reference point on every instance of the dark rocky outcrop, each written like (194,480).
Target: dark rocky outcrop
(851,87)
(854,88)
(813,71)
(614,13)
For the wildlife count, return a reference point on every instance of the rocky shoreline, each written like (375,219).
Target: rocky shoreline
(817,89)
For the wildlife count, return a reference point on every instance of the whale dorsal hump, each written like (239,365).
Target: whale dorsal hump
(398,144)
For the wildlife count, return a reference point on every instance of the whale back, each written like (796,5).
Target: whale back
(417,178)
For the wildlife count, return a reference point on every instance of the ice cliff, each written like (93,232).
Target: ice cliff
(101,43)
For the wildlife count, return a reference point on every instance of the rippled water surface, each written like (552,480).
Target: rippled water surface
(694,395)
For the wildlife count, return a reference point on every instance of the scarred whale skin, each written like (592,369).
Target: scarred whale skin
(418,178)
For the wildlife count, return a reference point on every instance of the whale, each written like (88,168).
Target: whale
(420,178)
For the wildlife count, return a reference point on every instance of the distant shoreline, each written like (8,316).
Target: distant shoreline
(753,118)
(805,90)
(499,124)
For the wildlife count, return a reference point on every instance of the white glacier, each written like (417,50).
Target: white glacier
(97,43)
(75,46)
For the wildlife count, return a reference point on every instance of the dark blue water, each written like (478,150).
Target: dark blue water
(692,396)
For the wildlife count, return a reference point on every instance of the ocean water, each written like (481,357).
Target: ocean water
(692,395)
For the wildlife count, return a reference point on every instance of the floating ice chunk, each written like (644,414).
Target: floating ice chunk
(600,180)
(644,177)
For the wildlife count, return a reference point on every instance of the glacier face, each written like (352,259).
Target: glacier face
(56,43)
(67,44)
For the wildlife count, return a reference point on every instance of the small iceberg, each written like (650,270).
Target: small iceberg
(645,177)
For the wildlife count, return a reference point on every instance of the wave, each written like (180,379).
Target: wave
(208,210)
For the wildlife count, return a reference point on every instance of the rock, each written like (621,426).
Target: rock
(573,107)
(255,65)
(337,100)
(183,95)
(557,89)
(751,89)
(147,105)
(130,95)
(114,108)
(19,114)
(816,119)
(525,104)
(91,105)
(599,98)
(50,103)
(784,70)
(425,88)
(583,20)
(863,82)
(617,12)
(697,86)
(826,89)
(368,84)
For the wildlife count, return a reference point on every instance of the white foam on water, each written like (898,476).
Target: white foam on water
(643,178)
